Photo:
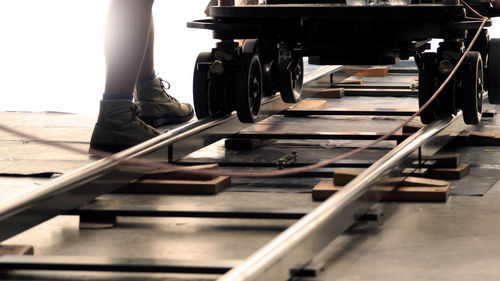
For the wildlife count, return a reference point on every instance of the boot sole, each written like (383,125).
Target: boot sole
(97,149)
(158,122)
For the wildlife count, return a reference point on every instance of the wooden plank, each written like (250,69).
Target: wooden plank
(350,81)
(18,250)
(420,194)
(311,104)
(331,93)
(482,138)
(343,176)
(446,160)
(325,189)
(416,181)
(181,174)
(419,173)
(351,70)
(411,128)
(98,221)
(154,186)
(450,173)
(376,71)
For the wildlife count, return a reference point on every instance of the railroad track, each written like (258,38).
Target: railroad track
(290,251)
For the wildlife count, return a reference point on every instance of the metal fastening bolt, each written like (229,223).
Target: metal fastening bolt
(217,67)
(287,160)
(221,55)
(226,3)
(451,55)
(445,67)
(414,87)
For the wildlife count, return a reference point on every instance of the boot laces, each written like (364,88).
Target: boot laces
(165,85)
(136,111)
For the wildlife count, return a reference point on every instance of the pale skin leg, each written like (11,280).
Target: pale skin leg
(128,44)
(148,67)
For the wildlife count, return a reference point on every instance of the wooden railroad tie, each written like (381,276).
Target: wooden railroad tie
(407,188)
(411,128)
(179,181)
(445,161)
(350,81)
(456,173)
(376,71)
(311,104)
(447,167)
(99,221)
(475,138)
(330,93)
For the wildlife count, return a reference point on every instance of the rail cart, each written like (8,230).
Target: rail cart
(280,33)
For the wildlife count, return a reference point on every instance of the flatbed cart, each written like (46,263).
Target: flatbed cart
(278,34)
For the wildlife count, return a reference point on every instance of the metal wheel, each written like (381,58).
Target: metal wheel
(271,78)
(250,46)
(481,44)
(249,88)
(291,75)
(472,85)
(493,71)
(219,87)
(427,85)
(201,85)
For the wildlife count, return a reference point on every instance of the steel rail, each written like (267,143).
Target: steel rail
(76,188)
(296,246)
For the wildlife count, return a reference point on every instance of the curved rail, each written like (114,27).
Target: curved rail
(292,249)
(296,246)
(81,186)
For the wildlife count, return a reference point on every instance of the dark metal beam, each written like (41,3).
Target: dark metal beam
(379,92)
(75,263)
(315,135)
(379,86)
(115,209)
(347,111)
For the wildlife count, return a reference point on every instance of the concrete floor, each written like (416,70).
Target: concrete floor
(453,241)
(457,240)
(163,238)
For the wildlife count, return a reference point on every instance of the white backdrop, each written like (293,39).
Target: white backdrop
(51,56)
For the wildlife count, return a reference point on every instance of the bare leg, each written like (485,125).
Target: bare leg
(127,35)
(148,67)
(157,106)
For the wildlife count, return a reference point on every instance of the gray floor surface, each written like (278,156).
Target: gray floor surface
(457,240)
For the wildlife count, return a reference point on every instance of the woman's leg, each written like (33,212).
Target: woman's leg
(127,36)
(148,68)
